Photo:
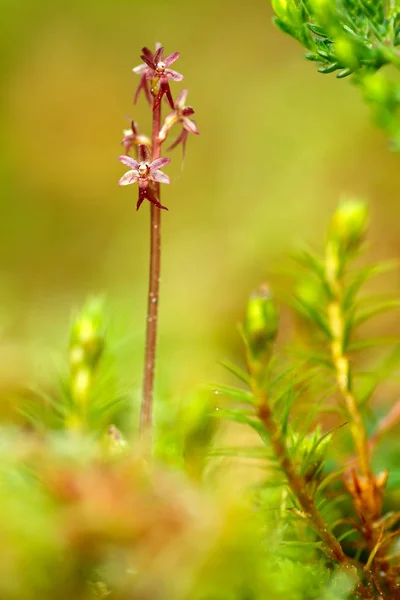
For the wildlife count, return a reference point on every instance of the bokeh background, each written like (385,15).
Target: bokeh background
(279,145)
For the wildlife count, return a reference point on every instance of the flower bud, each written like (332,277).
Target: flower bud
(261,324)
(349,224)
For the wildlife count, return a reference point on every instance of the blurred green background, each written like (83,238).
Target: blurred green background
(279,145)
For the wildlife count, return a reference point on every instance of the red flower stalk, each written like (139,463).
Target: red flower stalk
(156,68)
(143,173)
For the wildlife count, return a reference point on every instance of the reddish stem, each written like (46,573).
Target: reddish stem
(153,294)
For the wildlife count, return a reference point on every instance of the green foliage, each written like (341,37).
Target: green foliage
(86,515)
(357,38)
(333,506)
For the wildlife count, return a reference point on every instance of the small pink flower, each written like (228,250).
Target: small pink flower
(132,138)
(144,172)
(180,114)
(157,67)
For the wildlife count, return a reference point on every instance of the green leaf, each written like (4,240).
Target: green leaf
(285,27)
(237,372)
(232,392)
(362,276)
(371,343)
(310,260)
(379,374)
(344,73)
(312,314)
(329,68)
(317,30)
(376,310)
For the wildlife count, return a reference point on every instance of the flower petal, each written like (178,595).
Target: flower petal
(190,126)
(151,198)
(174,75)
(149,61)
(140,69)
(158,55)
(165,89)
(147,52)
(143,86)
(159,176)
(181,99)
(129,162)
(181,139)
(168,60)
(187,111)
(142,196)
(128,177)
(158,163)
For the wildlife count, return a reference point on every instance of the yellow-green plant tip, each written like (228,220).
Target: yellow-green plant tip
(349,224)
(261,321)
(87,335)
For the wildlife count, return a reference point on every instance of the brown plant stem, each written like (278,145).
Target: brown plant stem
(295,480)
(299,488)
(153,293)
(365,488)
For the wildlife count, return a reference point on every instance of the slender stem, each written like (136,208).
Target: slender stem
(153,293)
(341,363)
(299,487)
(295,480)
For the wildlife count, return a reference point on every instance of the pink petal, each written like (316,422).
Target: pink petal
(160,177)
(181,99)
(174,75)
(190,126)
(171,58)
(140,69)
(158,163)
(128,177)
(129,162)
